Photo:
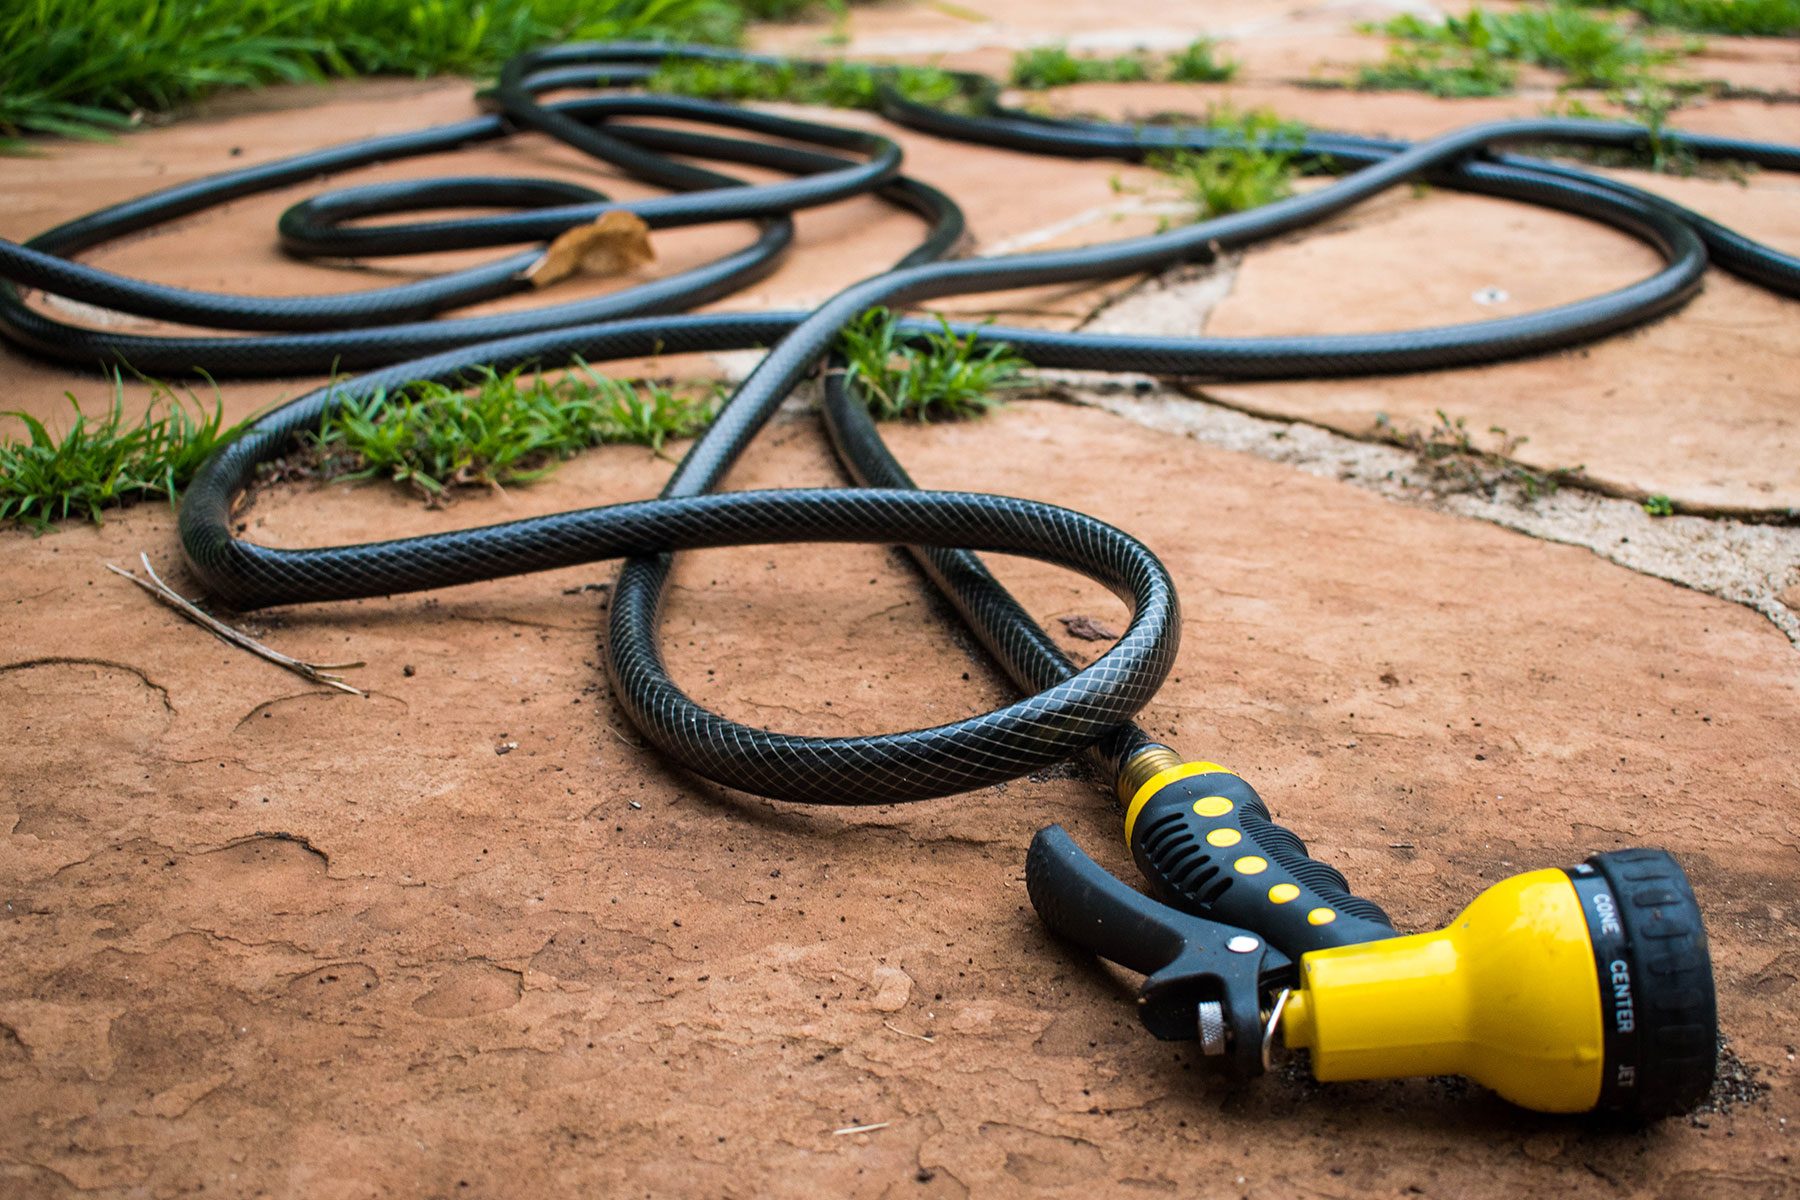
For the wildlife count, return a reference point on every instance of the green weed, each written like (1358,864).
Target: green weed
(1437,71)
(1053,66)
(1650,103)
(1659,505)
(1474,54)
(1739,18)
(1198,64)
(1574,106)
(503,429)
(1234,178)
(107,461)
(944,376)
(1594,51)
(1456,464)
(84,68)
(836,84)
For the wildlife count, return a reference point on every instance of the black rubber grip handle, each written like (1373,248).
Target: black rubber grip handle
(1207,846)
(1081,901)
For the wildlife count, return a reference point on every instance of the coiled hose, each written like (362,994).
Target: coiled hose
(395,335)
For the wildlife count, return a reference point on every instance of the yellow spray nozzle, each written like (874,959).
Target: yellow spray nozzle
(1587,989)
(1563,991)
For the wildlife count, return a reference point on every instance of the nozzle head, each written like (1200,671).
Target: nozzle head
(1658,1012)
(1579,990)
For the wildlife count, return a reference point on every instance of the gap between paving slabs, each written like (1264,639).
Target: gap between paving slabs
(1748,563)
(1755,565)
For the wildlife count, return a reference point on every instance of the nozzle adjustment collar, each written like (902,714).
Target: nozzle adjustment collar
(1658,1011)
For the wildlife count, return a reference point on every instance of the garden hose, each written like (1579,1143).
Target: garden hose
(1249,938)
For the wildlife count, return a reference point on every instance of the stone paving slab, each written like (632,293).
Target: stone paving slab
(468,936)
(468,931)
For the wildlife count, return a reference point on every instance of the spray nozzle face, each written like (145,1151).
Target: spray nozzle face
(1565,991)
(1658,1015)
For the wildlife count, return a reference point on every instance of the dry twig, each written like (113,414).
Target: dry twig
(909,1033)
(317,672)
(860,1128)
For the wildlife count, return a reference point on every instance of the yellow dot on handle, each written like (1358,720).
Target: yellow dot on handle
(1251,864)
(1224,837)
(1212,806)
(1321,916)
(1281,893)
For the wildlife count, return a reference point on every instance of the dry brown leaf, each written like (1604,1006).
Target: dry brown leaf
(614,243)
(1088,629)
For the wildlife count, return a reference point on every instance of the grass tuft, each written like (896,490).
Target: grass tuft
(1437,70)
(503,429)
(85,68)
(1053,66)
(942,376)
(1476,54)
(1198,63)
(1236,178)
(1650,103)
(1456,465)
(1594,51)
(854,85)
(836,85)
(1739,18)
(99,463)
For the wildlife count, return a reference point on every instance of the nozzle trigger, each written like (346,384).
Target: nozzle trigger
(1202,980)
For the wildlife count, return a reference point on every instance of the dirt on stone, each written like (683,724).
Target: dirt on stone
(468,936)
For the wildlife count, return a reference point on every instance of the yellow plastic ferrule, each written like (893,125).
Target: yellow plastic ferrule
(1161,780)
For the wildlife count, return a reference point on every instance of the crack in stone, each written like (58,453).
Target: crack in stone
(104,663)
(278,835)
(215,935)
(1742,562)
(268,705)
(506,619)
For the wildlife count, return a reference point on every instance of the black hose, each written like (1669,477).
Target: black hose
(394,335)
